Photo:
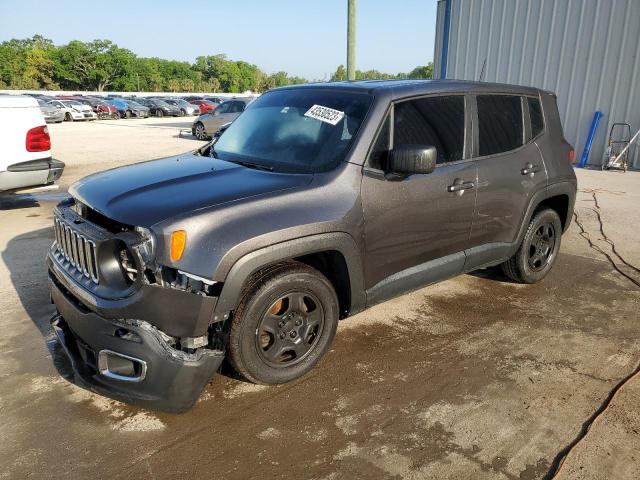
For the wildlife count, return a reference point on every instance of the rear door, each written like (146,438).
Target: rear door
(416,228)
(510,171)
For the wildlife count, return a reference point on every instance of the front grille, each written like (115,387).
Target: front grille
(79,251)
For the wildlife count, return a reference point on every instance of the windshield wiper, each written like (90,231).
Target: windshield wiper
(244,163)
(256,166)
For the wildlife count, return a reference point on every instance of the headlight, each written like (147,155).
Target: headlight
(147,246)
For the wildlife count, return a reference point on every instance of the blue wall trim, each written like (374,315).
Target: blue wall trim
(445,39)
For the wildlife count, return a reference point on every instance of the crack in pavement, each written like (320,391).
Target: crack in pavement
(585,234)
(560,458)
(558,461)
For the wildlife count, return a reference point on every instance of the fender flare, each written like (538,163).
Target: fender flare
(567,188)
(250,263)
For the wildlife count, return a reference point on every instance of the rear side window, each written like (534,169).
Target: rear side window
(499,123)
(436,121)
(224,108)
(535,115)
(236,107)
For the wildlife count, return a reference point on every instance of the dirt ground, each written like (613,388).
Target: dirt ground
(473,378)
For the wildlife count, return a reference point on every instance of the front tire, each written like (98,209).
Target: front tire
(68,117)
(284,324)
(539,249)
(199,132)
(159,113)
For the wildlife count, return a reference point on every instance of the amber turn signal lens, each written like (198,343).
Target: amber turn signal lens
(178,244)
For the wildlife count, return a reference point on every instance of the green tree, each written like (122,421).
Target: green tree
(340,74)
(425,71)
(95,65)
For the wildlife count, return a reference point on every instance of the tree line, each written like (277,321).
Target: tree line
(37,64)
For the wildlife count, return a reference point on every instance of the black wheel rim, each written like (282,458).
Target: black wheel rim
(290,329)
(542,246)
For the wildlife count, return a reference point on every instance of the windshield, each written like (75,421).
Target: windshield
(303,131)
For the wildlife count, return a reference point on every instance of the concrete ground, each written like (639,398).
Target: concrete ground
(472,378)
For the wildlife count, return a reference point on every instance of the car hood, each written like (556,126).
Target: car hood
(146,193)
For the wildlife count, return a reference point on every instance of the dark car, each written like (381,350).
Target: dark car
(159,108)
(137,109)
(317,202)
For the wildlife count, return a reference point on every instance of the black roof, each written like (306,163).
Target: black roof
(405,87)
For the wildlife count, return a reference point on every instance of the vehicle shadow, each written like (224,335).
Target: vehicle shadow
(492,273)
(24,257)
(14,201)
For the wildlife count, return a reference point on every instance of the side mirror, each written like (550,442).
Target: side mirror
(411,159)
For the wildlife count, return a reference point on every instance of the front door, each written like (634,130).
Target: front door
(417,227)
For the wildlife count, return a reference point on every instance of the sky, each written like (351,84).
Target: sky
(303,37)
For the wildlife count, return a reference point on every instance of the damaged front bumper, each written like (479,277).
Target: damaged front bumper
(129,360)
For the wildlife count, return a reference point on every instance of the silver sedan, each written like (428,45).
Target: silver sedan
(207,124)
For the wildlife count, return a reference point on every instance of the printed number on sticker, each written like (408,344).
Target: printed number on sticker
(325,114)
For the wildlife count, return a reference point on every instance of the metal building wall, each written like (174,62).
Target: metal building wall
(587,51)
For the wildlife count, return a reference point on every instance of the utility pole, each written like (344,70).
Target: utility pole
(351,40)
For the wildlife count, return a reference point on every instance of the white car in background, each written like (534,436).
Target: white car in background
(74,110)
(25,145)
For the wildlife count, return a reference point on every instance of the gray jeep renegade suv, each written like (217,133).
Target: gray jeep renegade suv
(316,203)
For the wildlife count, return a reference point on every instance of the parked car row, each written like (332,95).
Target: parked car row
(85,107)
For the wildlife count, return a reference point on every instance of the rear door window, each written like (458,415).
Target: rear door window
(236,107)
(435,121)
(535,116)
(499,123)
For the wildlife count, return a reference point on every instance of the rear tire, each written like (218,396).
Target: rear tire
(284,324)
(539,249)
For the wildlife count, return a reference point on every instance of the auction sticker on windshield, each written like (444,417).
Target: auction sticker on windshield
(325,114)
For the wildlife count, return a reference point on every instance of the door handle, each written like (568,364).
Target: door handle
(459,186)
(530,169)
